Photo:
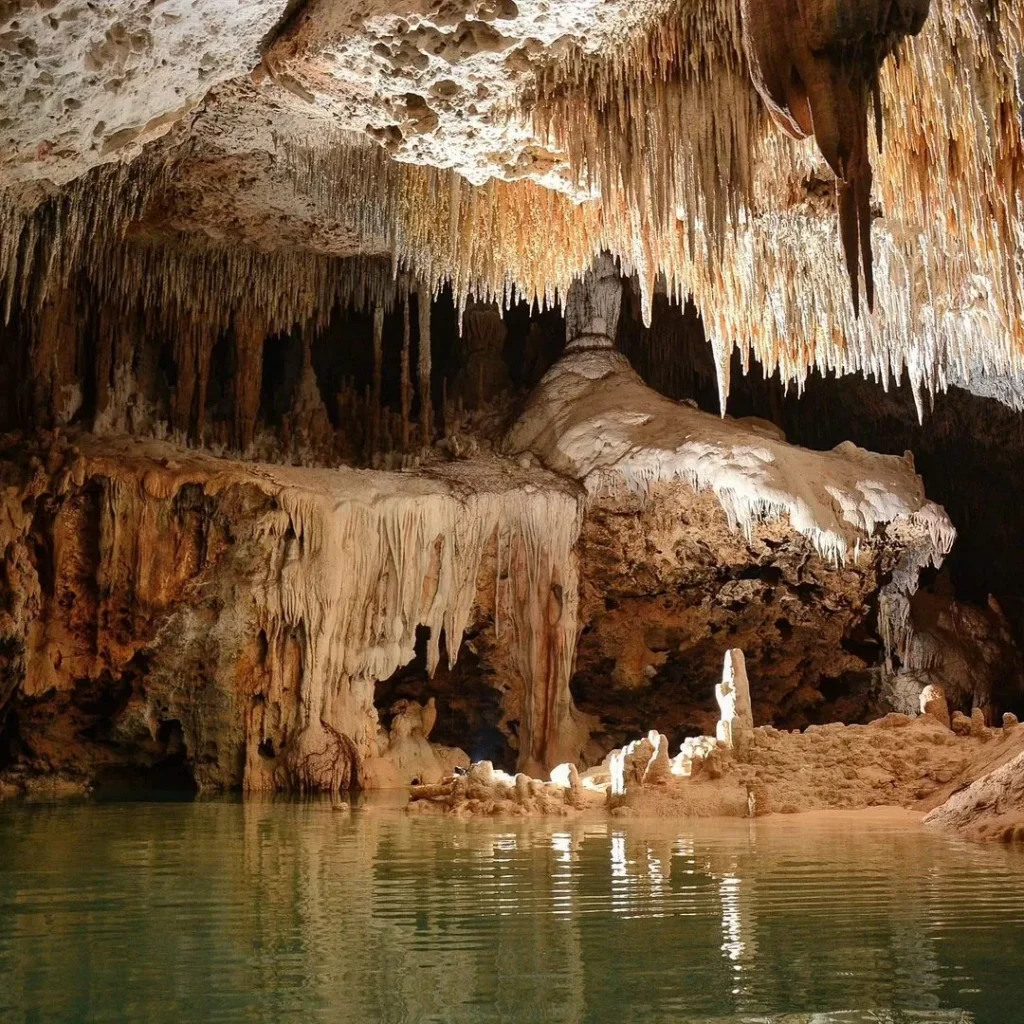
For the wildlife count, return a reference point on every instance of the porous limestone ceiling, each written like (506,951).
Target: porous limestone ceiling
(498,145)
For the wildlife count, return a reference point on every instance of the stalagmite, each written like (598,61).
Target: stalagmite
(733,694)
(933,702)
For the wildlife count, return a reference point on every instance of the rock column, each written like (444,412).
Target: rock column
(592,307)
(55,395)
(249,338)
(733,693)
(485,374)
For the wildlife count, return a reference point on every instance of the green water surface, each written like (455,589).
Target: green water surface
(289,911)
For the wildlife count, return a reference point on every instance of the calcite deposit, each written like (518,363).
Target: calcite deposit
(975,779)
(397,394)
(234,620)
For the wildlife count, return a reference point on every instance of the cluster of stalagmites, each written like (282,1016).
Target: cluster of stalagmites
(914,762)
(642,764)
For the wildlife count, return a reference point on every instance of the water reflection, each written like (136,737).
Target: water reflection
(278,911)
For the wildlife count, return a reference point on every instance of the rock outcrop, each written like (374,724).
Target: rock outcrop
(991,807)
(160,604)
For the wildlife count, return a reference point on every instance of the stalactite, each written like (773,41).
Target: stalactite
(424,369)
(43,243)
(411,551)
(691,189)
(406,381)
(378,370)
(816,67)
(248,339)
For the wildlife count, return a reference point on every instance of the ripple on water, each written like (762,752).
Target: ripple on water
(285,911)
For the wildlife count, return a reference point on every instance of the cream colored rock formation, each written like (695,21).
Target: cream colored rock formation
(278,597)
(895,761)
(498,145)
(246,247)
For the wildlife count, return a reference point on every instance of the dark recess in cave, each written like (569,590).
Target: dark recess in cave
(469,705)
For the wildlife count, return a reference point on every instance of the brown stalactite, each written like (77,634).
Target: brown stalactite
(426,403)
(248,382)
(54,395)
(815,64)
(406,385)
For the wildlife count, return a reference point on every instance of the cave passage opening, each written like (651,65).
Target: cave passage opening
(469,697)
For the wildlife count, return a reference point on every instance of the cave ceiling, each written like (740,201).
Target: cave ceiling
(497,145)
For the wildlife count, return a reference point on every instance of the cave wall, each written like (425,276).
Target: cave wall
(668,588)
(161,609)
(968,449)
(172,615)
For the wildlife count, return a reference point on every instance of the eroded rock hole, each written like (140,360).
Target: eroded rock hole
(468,698)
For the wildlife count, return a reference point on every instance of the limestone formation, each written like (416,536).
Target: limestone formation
(816,64)
(897,760)
(336,445)
(733,694)
(992,807)
(933,702)
(497,148)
